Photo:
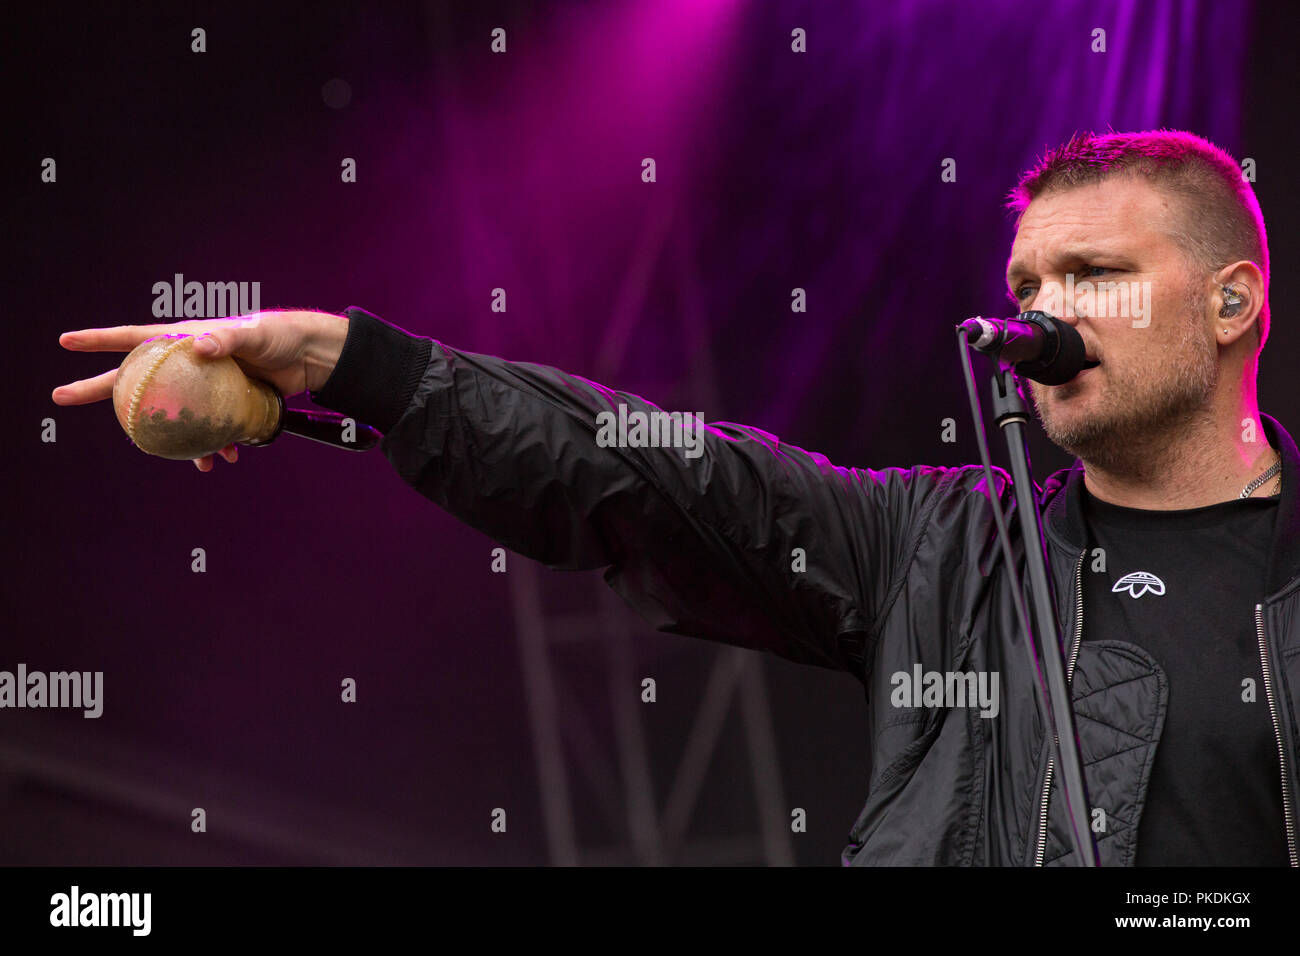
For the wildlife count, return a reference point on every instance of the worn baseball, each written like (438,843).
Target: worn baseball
(176,404)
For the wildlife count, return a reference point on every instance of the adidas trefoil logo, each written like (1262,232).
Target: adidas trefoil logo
(1139,583)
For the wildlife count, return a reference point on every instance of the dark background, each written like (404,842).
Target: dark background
(776,170)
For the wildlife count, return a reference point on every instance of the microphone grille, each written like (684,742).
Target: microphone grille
(980,332)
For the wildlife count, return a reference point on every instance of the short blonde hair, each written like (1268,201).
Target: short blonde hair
(1221,221)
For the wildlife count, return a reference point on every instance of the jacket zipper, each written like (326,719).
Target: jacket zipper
(1288,814)
(1069,676)
(1277,733)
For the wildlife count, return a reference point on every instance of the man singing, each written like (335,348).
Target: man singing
(1174,539)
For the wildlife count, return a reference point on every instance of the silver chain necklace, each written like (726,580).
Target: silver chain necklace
(1250,488)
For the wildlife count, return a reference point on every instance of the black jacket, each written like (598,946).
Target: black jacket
(902,569)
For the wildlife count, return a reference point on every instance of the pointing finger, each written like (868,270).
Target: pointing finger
(119,338)
(123,338)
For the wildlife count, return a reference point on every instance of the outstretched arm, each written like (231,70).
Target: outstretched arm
(751,541)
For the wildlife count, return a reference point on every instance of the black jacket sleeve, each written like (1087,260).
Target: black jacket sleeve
(754,542)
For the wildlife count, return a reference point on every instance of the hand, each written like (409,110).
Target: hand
(293,350)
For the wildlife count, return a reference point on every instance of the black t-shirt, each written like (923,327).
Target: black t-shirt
(1183,586)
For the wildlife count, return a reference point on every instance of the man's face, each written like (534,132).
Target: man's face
(1138,303)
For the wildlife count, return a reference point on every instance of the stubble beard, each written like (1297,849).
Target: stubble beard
(1141,410)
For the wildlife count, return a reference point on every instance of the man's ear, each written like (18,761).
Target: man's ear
(1236,300)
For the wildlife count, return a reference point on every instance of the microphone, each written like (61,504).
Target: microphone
(1040,346)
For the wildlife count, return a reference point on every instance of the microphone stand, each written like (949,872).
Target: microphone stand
(1011,414)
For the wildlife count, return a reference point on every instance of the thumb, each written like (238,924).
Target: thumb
(217,343)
